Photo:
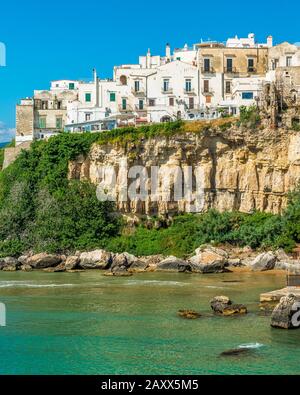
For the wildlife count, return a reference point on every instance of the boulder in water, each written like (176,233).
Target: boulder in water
(264,261)
(98,259)
(189,314)
(43,261)
(286,314)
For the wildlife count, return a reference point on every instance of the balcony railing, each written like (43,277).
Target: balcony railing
(128,108)
(207,70)
(251,70)
(138,108)
(230,70)
(207,92)
(167,91)
(190,91)
(139,92)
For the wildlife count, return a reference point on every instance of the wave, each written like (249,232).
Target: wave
(24,284)
(155,282)
(251,345)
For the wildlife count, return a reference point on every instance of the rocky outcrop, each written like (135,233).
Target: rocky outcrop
(43,261)
(240,169)
(172,263)
(9,264)
(72,262)
(264,261)
(222,305)
(98,259)
(209,260)
(287,313)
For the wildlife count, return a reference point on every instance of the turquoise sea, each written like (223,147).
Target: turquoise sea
(85,323)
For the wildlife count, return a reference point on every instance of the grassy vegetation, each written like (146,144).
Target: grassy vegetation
(41,210)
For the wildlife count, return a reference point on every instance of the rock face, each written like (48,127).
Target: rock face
(98,259)
(43,261)
(72,262)
(9,264)
(209,260)
(286,314)
(222,305)
(240,169)
(172,263)
(264,261)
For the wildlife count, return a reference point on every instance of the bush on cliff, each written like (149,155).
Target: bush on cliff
(41,210)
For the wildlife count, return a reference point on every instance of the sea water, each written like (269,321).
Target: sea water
(86,323)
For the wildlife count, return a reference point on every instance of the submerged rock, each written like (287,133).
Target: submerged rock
(43,261)
(235,352)
(286,314)
(57,269)
(264,261)
(98,259)
(189,314)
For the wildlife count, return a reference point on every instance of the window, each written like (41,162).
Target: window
(58,123)
(247,95)
(136,86)
(288,61)
(208,99)
(251,65)
(151,102)
(191,103)
(178,58)
(206,65)
(42,122)
(44,105)
(166,85)
(206,86)
(229,65)
(228,87)
(141,104)
(123,80)
(171,101)
(88,97)
(59,105)
(112,97)
(87,116)
(124,104)
(71,86)
(188,85)
(275,63)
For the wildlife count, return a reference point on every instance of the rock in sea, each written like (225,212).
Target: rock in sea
(286,313)
(264,261)
(189,314)
(222,305)
(98,259)
(43,261)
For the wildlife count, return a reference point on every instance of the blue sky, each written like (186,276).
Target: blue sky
(64,39)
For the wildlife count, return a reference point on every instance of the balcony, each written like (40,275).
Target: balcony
(189,91)
(207,70)
(127,109)
(138,109)
(207,92)
(251,70)
(168,91)
(230,70)
(139,93)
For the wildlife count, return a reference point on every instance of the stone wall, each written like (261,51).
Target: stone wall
(10,154)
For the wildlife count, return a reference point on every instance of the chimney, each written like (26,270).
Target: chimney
(270,41)
(148,63)
(96,88)
(168,52)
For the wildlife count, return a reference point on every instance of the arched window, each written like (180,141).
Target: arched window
(123,80)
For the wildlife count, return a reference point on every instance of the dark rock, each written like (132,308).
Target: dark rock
(286,313)
(172,263)
(222,305)
(189,314)
(264,261)
(235,352)
(43,261)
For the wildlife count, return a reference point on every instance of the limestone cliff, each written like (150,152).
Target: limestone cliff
(242,169)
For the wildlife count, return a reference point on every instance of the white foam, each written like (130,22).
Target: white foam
(251,345)
(31,284)
(155,282)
